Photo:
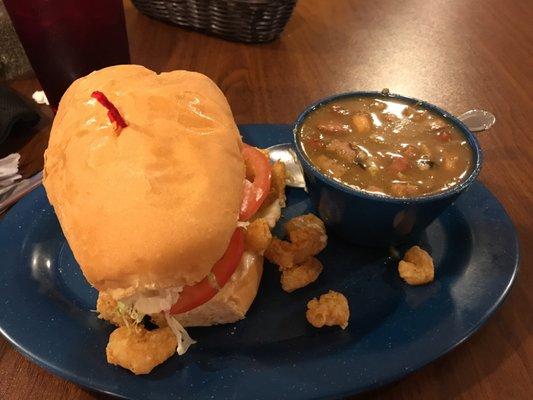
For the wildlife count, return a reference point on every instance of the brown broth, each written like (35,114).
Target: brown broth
(386,147)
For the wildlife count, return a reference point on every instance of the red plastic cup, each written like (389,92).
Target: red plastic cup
(67,39)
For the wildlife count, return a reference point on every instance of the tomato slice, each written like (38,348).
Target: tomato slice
(254,195)
(255,192)
(198,294)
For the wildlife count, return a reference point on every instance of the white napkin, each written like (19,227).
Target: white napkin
(10,179)
(40,98)
(9,168)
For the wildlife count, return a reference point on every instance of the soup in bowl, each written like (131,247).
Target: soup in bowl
(381,167)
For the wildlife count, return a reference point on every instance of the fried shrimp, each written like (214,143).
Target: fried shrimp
(330,309)
(107,308)
(277,185)
(307,236)
(139,350)
(257,236)
(295,258)
(280,253)
(279,177)
(301,275)
(417,267)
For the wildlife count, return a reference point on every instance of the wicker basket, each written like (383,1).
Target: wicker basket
(250,21)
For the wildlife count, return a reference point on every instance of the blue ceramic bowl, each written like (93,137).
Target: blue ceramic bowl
(372,219)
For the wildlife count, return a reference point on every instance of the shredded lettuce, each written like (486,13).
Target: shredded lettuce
(134,314)
(184,340)
(137,306)
(153,302)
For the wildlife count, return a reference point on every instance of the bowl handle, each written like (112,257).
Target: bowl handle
(477,120)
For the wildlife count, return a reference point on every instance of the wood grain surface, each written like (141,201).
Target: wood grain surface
(459,54)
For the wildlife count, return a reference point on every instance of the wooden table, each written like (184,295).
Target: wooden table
(458,54)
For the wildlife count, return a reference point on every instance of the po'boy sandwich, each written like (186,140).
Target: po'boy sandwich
(166,210)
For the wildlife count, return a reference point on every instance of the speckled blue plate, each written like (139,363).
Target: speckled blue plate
(46,309)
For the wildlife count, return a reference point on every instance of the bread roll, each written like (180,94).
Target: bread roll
(233,301)
(153,205)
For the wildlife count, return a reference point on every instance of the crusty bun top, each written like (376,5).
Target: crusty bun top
(155,204)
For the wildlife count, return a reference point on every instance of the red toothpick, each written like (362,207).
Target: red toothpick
(112,112)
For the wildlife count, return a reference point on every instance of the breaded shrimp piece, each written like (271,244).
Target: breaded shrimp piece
(280,253)
(277,186)
(106,306)
(307,235)
(301,275)
(257,236)
(277,183)
(139,350)
(417,267)
(307,222)
(330,309)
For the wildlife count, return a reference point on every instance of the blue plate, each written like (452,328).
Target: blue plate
(46,309)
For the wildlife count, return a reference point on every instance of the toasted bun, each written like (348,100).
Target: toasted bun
(232,302)
(154,205)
